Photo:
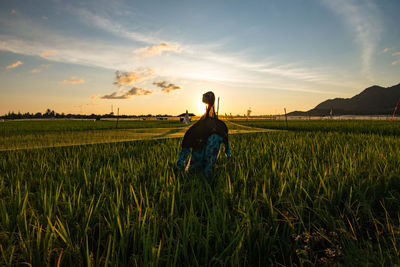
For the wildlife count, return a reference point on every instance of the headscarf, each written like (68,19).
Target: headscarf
(209,99)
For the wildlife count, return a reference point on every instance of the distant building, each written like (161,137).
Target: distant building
(184,114)
(186,117)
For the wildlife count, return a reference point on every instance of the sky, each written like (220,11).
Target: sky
(159,57)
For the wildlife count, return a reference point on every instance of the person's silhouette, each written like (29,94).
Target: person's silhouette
(204,138)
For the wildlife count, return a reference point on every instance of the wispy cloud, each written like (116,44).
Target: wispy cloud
(14,65)
(13,12)
(3,43)
(193,51)
(154,50)
(384,51)
(89,104)
(397,61)
(195,61)
(70,50)
(131,77)
(94,96)
(134,91)
(73,80)
(48,53)
(115,28)
(40,68)
(37,70)
(362,18)
(167,87)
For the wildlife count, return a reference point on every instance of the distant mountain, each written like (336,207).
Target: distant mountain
(374,100)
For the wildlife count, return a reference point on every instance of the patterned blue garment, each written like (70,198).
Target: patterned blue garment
(203,159)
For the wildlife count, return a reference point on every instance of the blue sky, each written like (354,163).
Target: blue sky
(160,56)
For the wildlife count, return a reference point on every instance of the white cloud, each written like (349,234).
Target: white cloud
(115,28)
(362,19)
(14,65)
(71,50)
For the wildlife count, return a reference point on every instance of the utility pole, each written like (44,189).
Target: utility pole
(287,127)
(117,118)
(218,107)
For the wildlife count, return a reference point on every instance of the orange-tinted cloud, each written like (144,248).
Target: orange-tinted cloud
(13,12)
(40,68)
(131,77)
(48,53)
(134,91)
(14,65)
(3,43)
(94,96)
(73,80)
(149,51)
(396,54)
(167,88)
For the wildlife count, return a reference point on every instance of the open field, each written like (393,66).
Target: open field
(17,135)
(326,194)
(379,127)
(22,127)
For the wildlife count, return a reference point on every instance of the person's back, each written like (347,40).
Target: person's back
(198,134)
(204,138)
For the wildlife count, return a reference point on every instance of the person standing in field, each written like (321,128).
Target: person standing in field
(204,138)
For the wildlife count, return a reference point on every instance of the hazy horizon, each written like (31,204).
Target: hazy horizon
(158,57)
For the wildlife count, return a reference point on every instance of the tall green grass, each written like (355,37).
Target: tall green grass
(285,198)
(70,138)
(381,127)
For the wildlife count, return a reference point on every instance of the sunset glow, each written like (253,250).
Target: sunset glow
(158,58)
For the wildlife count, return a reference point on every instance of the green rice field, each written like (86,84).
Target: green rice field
(324,193)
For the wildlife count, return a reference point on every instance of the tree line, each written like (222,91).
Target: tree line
(51,114)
